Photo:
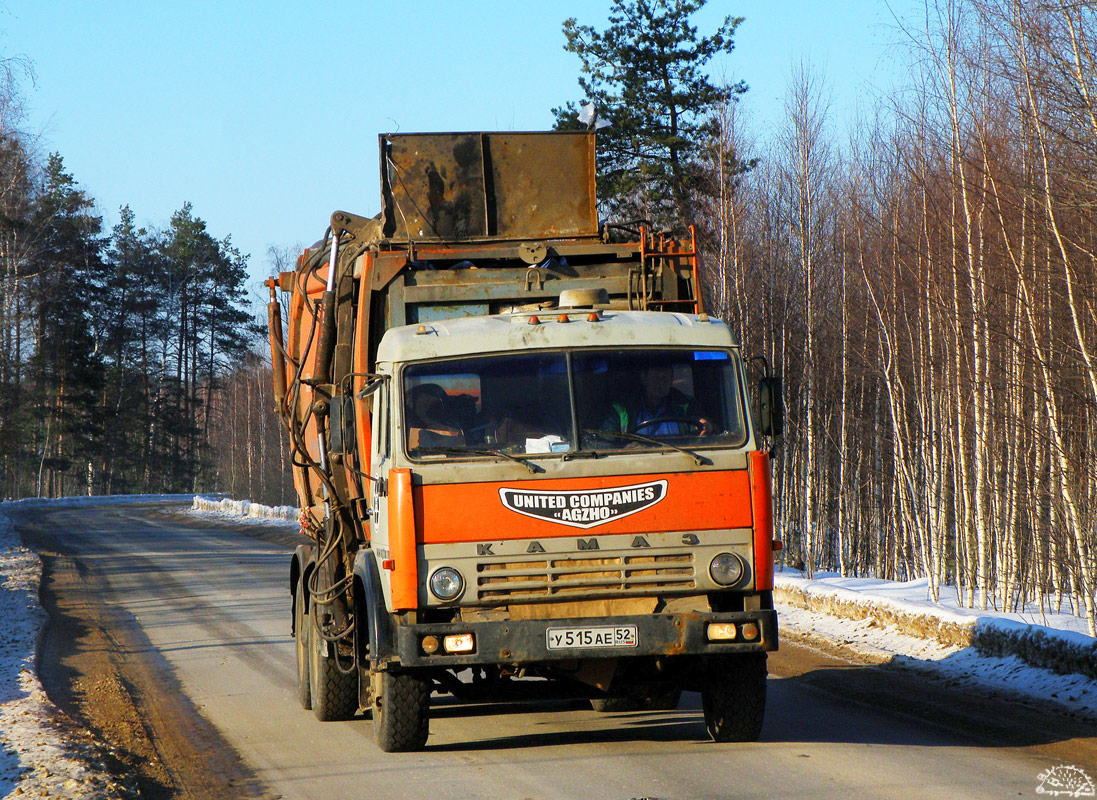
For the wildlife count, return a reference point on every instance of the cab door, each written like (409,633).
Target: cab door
(380,463)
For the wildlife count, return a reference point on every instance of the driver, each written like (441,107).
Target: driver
(428,420)
(668,408)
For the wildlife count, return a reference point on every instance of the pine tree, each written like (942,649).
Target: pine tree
(126,328)
(211,330)
(645,76)
(66,367)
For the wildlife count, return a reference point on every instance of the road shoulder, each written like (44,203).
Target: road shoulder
(98,667)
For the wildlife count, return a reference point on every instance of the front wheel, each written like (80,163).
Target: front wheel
(733,697)
(401,711)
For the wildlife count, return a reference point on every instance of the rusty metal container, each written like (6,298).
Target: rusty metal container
(459,187)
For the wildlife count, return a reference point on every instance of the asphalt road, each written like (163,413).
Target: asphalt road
(201,612)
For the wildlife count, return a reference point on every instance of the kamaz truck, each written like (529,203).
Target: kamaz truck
(525,456)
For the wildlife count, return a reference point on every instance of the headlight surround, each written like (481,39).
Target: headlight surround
(727,569)
(446,583)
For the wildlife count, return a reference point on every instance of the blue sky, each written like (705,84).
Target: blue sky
(265,115)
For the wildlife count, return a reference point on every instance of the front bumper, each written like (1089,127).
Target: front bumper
(515,642)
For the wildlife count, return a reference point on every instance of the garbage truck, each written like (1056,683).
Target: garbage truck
(528,462)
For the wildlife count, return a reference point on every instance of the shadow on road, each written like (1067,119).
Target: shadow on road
(847,704)
(891,705)
(583,726)
(9,770)
(449,708)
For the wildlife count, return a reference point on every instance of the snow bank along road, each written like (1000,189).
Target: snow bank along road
(172,639)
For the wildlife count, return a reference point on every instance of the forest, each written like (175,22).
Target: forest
(924,279)
(114,345)
(927,287)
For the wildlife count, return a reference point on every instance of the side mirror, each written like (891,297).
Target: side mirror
(373,383)
(771,407)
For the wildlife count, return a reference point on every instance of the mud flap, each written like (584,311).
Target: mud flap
(297,571)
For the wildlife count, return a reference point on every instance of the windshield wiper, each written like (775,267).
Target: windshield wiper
(637,437)
(464,451)
(571,455)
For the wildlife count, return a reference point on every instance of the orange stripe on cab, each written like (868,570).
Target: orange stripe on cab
(761,495)
(405,570)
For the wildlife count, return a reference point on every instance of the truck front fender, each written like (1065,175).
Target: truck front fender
(382,639)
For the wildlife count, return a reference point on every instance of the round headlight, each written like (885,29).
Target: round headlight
(446,583)
(726,569)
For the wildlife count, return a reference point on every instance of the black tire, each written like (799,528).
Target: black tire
(401,712)
(334,693)
(301,626)
(734,698)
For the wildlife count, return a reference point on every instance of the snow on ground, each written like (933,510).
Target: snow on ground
(880,643)
(1047,657)
(245,511)
(914,597)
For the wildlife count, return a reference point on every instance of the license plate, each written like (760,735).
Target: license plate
(600,636)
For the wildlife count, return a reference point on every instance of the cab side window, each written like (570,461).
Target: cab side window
(381,423)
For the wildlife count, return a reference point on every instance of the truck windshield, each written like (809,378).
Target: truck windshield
(558,402)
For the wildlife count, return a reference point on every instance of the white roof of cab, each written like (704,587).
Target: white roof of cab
(513,332)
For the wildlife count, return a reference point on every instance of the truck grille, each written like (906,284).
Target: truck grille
(614,576)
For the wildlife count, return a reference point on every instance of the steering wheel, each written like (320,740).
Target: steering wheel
(701,426)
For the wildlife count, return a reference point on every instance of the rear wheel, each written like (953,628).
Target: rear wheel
(301,625)
(401,711)
(734,697)
(334,693)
